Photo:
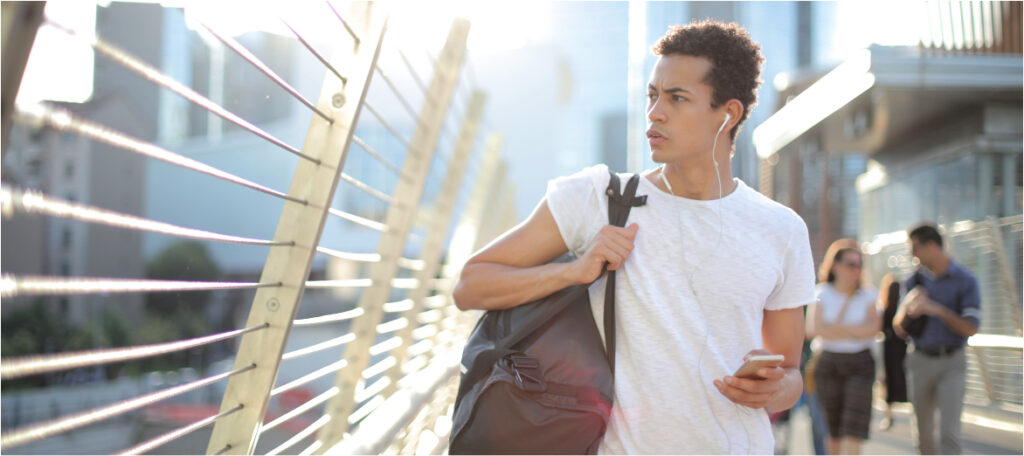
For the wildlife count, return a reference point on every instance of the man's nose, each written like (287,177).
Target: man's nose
(654,113)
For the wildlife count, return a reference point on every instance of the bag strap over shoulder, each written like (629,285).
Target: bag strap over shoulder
(618,213)
(619,206)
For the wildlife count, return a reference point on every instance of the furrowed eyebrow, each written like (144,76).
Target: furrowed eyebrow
(672,90)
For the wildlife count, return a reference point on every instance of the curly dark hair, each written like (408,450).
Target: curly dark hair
(735,60)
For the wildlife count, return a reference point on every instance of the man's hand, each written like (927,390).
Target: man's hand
(752,392)
(612,245)
(919,303)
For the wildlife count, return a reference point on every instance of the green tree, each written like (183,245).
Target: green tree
(179,315)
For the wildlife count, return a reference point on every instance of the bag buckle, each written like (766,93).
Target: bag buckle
(526,370)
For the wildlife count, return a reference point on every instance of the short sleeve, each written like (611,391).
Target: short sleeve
(970,302)
(574,204)
(797,284)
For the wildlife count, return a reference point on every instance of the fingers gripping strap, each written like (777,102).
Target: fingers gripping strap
(618,213)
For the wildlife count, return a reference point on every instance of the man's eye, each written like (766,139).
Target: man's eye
(652,96)
(679,98)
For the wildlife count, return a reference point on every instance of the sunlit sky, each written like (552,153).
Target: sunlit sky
(496,27)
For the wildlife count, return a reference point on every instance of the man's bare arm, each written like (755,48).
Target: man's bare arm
(833,331)
(782,332)
(778,388)
(513,269)
(960,325)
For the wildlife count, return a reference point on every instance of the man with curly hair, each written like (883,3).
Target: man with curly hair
(709,270)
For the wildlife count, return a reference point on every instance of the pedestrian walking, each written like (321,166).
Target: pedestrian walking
(844,322)
(894,348)
(945,302)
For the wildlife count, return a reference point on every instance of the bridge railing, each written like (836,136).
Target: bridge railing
(394,348)
(991,249)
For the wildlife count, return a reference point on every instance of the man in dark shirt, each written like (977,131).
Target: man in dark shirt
(946,296)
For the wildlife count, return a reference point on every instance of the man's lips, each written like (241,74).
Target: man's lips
(655,137)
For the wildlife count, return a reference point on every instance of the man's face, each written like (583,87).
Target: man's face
(922,251)
(681,122)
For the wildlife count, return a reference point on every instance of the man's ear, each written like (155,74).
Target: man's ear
(734,108)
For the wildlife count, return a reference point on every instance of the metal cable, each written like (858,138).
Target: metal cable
(371,391)
(157,442)
(143,69)
(415,76)
(63,120)
(362,412)
(378,156)
(322,372)
(373,225)
(22,366)
(35,202)
(361,257)
(411,264)
(430,316)
(401,98)
(338,15)
(392,326)
(244,53)
(387,125)
(345,283)
(369,190)
(379,368)
(301,435)
(312,448)
(385,346)
(398,306)
(430,56)
(405,283)
(16,285)
(35,432)
(323,397)
(331,318)
(335,342)
(316,54)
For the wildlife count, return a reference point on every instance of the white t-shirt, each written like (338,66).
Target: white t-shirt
(665,401)
(830,302)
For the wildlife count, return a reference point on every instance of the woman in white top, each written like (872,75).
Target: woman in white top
(843,324)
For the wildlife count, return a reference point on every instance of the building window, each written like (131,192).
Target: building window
(65,237)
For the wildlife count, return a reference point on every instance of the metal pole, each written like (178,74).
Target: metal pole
(400,218)
(302,224)
(440,219)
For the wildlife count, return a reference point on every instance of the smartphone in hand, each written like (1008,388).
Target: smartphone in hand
(757,362)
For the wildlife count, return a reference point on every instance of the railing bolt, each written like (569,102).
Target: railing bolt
(338,100)
(273,304)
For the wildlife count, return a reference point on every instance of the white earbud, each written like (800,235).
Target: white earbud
(724,122)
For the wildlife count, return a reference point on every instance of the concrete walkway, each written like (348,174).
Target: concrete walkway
(986,430)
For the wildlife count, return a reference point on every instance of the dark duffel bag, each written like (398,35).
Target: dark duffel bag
(537,378)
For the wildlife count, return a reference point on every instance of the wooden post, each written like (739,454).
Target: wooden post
(489,220)
(400,218)
(20,22)
(468,230)
(302,224)
(440,219)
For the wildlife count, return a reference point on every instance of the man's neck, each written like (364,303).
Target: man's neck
(697,180)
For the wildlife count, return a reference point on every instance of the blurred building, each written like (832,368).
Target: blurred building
(791,35)
(898,135)
(69,167)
